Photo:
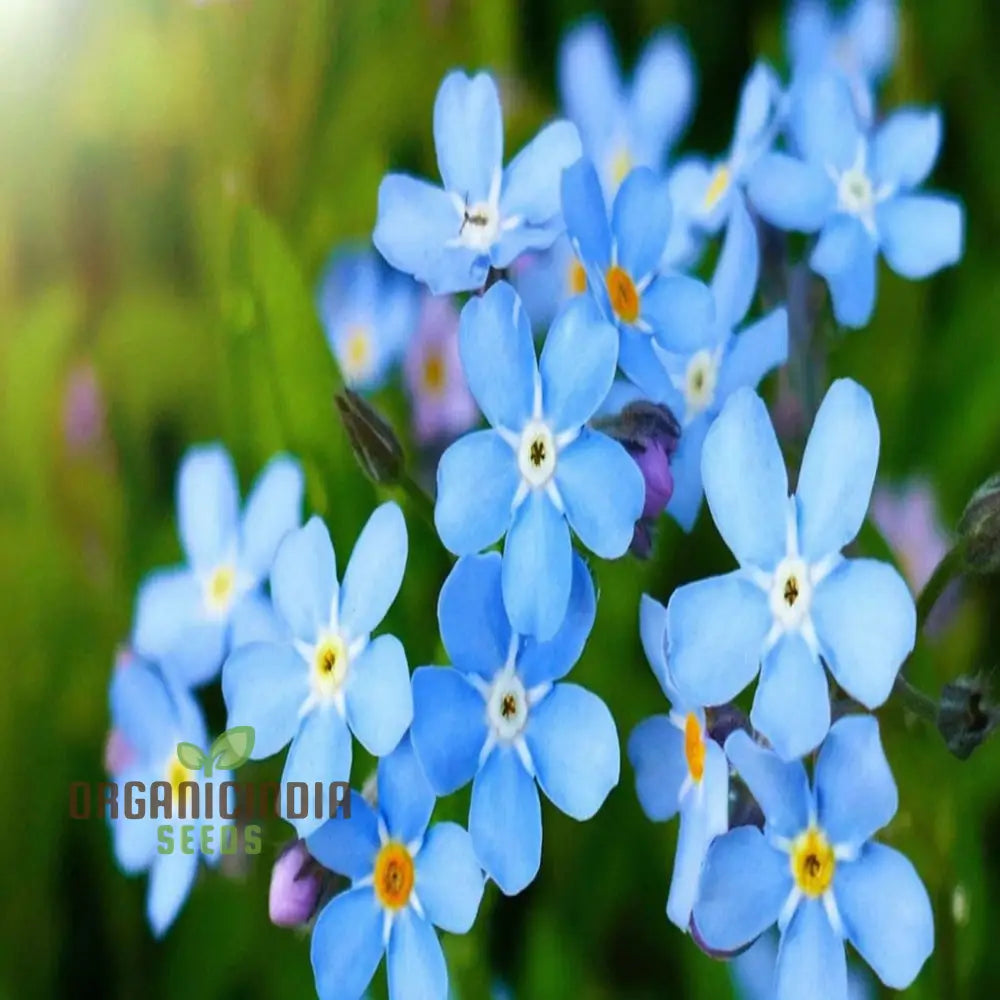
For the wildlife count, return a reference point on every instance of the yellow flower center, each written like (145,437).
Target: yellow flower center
(176,774)
(393,875)
(812,863)
(717,187)
(220,588)
(357,353)
(621,164)
(694,746)
(330,663)
(434,373)
(622,293)
(577,278)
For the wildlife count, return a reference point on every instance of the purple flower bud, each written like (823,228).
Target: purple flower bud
(654,464)
(295,886)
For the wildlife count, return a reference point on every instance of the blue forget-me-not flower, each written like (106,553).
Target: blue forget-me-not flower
(149,717)
(406,880)
(815,871)
(369,313)
(188,618)
(858,192)
(329,677)
(678,768)
(625,126)
(499,718)
(696,383)
(795,602)
(538,470)
(484,215)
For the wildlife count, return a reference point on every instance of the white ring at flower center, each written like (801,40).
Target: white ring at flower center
(791,593)
(536,454)
(507,706)
(480,226)
(856,193)
(699,382)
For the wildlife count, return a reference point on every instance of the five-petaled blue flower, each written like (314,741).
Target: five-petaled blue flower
(624,127)
(188,618)
(860,42)
(498,716)
(329,677)
(369,313)
(678,768)
(448,238)
(621,257)
(696,383)
(406,880)
(149,717)
(815,871)
(539,470)
(859,194)
(795,598)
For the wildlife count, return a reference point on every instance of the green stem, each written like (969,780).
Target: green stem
(421,500)
(920,704)
(945,571)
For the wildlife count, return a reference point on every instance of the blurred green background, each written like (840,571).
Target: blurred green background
(138,139)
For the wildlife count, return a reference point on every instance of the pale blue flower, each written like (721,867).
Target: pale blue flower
(546,281)
(815,870)
(484,215)
(795,602)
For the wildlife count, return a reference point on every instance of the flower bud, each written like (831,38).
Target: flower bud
(966,715)
(979,528)
(654,464)
(295,886)
(373,441)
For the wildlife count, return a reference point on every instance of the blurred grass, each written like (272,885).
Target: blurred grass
(141,141)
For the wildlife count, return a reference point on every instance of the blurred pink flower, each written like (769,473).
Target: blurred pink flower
(83,409)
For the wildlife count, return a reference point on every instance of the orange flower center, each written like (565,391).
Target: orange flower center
(434,374)
(623,294)
(694,746)
(813,863)
(577,278)
(393,875)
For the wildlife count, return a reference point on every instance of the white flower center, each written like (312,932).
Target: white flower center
(219,590)
(700,381)
(356,355)
(791,593)
(856,193)
(536,454)
(480,226)
(507,706)
(330,663)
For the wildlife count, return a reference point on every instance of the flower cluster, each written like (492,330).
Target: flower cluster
(642,396)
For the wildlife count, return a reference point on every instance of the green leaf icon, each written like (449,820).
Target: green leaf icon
(232,749)
(191,756)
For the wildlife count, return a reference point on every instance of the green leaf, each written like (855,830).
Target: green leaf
(191,756)
(233,748)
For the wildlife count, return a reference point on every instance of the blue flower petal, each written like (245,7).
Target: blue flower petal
(532,182)
(845,255)
(680,310)
(685,465)
(866,624)
(905,147)
(761,347)
(379,696)
(855,792)
(589,83)
(717,629)
(346,945)
(415,226)
(921,233)
(744,885)
(537,571)
(474,628)
(781,788)
(662,94)
(811,959)
(574,747)
(321,751)
(760,92)
(835,483)
(264,686)
(735,280)
(498,356)
(790,193)
(886,912)
(194,659)
(752,971)
(170,602)
(414,961)
(792,704)
(208,502)
(505,820)
(648,379)
(640,222)
(348,845)
(586,216)
(603,519)
(468,523)
(135,840)
(577,364)
(468,134)
(449,726)
(304,579)
(255,620)
(656,752)
(272,510)
(823,121)
(655,641)
(872,28)
(746,484)
(405,797)
(375,571)
(170,880)
(544,662)
(143,709)
(449,881)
